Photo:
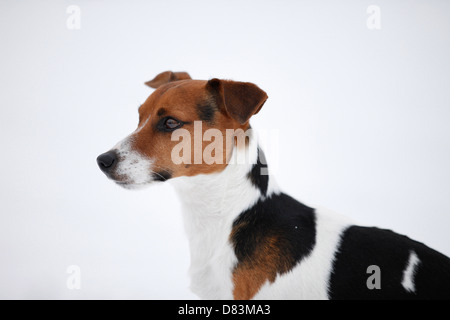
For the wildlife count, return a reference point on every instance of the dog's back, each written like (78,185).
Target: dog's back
(301,253)
(406,269)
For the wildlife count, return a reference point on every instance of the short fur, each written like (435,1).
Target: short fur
(249,240)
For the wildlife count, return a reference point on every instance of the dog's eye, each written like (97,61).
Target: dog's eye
(171,124)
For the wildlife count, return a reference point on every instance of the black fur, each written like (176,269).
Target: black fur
(362,247)
(278,217)
(259,174)
(206,112)
(161,176)
(161,112)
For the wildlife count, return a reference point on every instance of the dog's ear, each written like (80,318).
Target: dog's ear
(166,77)
(240,100)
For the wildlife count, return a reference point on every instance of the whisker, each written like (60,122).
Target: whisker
(163,169)
(154,172)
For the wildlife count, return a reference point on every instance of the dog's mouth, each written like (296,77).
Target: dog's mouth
(132,185)
(128,182)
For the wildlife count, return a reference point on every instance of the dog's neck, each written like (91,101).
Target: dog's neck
(225,194)
(211,203)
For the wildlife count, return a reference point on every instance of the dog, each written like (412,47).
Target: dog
(248,239)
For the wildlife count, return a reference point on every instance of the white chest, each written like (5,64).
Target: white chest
(211,269)
(209,211)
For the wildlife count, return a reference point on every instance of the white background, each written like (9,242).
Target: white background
(362,118)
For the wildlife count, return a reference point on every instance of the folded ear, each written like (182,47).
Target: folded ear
(240,100)
(166,77)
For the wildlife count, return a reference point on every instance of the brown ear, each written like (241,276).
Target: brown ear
(166,77)
(241,100)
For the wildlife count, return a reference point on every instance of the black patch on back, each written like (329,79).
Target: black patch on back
(161,176)
(259,173)
(279,217)
(206,112)
(362,247)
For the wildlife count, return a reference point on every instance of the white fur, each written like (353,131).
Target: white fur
(134,168)
(212,202)
(409,273)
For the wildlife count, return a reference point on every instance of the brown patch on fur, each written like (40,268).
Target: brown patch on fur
(240,100)
(180,100)
(267,242)
(251,274)
(261,265)
(166,77)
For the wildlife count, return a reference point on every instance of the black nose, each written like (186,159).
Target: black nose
(107,160)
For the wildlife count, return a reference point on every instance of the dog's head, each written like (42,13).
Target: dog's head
(175,123)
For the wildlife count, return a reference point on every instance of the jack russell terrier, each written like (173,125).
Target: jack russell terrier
(249,240)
